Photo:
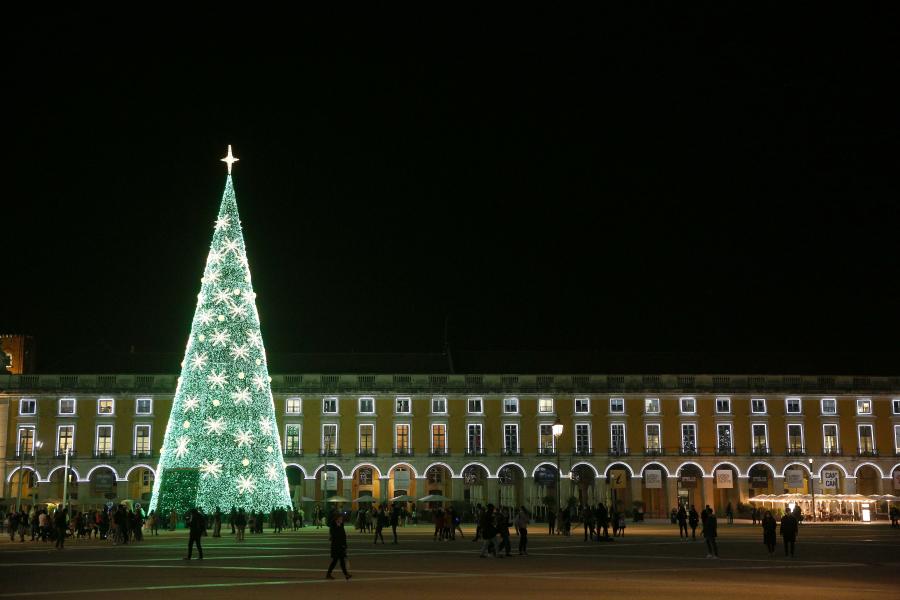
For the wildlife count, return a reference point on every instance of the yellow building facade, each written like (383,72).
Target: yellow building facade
(651,439)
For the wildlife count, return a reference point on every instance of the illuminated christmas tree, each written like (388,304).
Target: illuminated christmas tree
(222,446)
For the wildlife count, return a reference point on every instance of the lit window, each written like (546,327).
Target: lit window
(723,405)
(65,438)
(475,407)
(292,439)
(511,438)
(617,442)
(25,443)
(403,406)
(582,406)
(329,406)
(829,406)
(439,406)
(866,439)
(688,405)
(582,438)
(651,406)
(438,437)
(144,406)
(474,438)
(401,436)
(795,438)
(367,406)
(67,406)
(27,406)
(724,437)
(142,440)
(511,406)
(617,405)
(105,406)
(545,405)
(104,440)
(794,406)
(897,438)
(864,406)
(654,439)
(896,406)
(329,439)
(830,439)
(546,439)
(760,438)
(758,406)
(293,406)
(688,437)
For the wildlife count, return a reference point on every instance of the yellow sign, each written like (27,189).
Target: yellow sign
(617,479)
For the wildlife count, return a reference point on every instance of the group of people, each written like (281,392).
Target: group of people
(119,524)
(492,528)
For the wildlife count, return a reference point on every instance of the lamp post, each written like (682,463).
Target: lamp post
(65,497)
(557,434)
(21,470)
(812,489)
(37,446)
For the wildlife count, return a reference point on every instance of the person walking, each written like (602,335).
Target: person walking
(488,532)
(768,527)
(693,521)
(240,523)
(522,529)
(380,520)
(232,517)
(59,521)
(681,516)
(789,526)
(338,538)
(710,527)
(197,527)
(395,520)
(729,512)
(503,530)
(217,523)
(551,521)
(588,523)
(622,523)
(603,522)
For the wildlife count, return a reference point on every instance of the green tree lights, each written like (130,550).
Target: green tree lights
(222,446)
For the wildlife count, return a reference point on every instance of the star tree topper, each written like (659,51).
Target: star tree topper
(230,159)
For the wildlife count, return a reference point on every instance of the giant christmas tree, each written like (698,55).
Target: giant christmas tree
(222,446)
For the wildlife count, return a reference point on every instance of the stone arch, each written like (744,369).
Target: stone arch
(535,470)
(403,464)
(655,464)
(795,463)
(587,464)
(868,464)
(330,466)
(25,468)
(103,466)
(62,467)
(441,464)
(297,466)
(725,463)
(693,464)
(763,464)
(140,466)
(366,464)
(611,465)
(834,464)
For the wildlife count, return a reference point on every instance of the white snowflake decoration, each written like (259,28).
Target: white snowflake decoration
(265,425)
(255,339)
(237,310)
(212,277)
(214,257)
(182,448)
(221,296)
(259,382)
(241,352)
(213,468)
(205,316)
(229,246)
(223,222)
(220,338)
(198,361)
(217,379)
(246,484)
(216,426)
(243,438)
(242,396)
(191,402)
(271,472)
(249,296)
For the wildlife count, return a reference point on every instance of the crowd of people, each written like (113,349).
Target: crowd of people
(118,524)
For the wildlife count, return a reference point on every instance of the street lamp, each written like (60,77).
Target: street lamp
(65,497)
(37,446)
(812,489)
(557,433)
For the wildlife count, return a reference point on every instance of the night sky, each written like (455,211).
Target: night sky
(711,182)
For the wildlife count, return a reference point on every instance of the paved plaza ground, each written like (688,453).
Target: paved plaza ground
(833,561)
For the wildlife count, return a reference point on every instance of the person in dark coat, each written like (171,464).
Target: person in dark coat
(395,520)
(710,532)
(338,546)
(60,521)
(197,526)
(603,522)
(681,517)
(693,520)
(768,527)
(789,526)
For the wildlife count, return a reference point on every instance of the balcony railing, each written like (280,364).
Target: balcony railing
(139,455)
(407,451)
(511,452)
(583,451)
(760,451)
(62,454)
(654,451)
(546,452)
(724,451)
(104,454)
(366,452)
(687,451)
(439,452)
(289,452)
(870,452)
(796,451)
(617,451)
(329,451)
(832,452)
(474,451)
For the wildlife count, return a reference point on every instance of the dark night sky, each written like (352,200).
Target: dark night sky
(710,181)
